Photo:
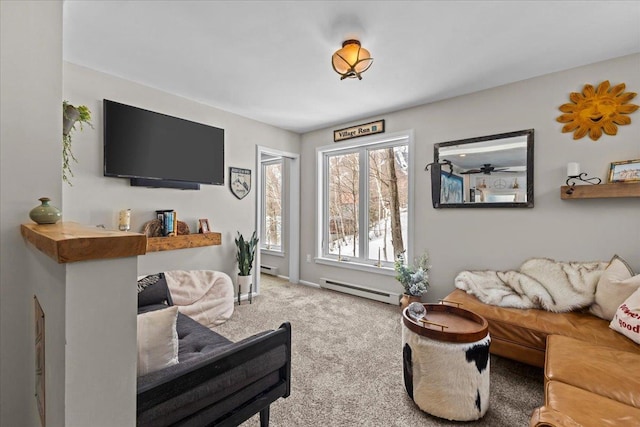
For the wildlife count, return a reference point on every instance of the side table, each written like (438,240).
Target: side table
(446,361)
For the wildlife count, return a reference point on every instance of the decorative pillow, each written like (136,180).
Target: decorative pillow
(153,289)
(157,340)
(613,288)
(627,318)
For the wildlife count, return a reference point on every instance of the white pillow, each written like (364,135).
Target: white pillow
(627,318)
(157,340)
(613,288)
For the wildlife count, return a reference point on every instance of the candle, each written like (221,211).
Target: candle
(124,220)
(573,169)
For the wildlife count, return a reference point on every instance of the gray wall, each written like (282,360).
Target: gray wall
(30,159)
(95,199)
(460,239)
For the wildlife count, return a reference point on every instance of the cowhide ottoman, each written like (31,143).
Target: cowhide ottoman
(446,367)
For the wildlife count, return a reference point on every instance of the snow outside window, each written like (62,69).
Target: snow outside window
(271,230)
(365,202)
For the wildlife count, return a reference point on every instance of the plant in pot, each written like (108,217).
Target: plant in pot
(414,278)
(245,255)
(70,116)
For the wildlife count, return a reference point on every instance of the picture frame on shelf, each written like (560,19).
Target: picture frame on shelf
(203,226)
(625,171)
(451,188)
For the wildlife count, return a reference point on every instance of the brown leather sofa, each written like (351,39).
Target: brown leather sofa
(592,374)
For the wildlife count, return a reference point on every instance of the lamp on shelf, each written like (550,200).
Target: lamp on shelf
(352,60)
(574,174)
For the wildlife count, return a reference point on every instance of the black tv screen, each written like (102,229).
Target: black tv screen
(144,144)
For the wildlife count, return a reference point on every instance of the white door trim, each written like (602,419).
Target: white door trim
(293,215)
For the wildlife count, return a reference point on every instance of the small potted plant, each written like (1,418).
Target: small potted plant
(70,116)
(414,278)
(245,256)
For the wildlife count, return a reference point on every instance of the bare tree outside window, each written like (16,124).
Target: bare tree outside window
(344,177)
(272,206)
(385,204)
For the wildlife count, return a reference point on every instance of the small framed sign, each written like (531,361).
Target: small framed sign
(358,131)
(240,182)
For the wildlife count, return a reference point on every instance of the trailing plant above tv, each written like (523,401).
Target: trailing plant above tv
(70,116)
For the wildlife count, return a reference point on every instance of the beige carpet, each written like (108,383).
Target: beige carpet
(347,363)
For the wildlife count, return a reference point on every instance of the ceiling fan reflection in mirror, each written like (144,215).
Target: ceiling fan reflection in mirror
(487,169)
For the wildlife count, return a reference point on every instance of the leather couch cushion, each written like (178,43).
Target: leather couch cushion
(529,328)
(589,409)
(598,369)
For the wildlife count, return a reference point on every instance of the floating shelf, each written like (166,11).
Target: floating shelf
(70,242)
(183,241)
(601,191)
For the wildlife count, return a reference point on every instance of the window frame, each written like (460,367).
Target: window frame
(362,146)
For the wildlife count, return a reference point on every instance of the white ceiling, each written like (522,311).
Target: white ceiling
(271,60)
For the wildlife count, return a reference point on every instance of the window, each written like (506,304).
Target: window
(364,201)
(271,229)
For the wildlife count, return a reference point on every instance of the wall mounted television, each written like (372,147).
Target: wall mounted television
(157,150)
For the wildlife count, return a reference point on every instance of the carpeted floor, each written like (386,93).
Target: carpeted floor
(347,363)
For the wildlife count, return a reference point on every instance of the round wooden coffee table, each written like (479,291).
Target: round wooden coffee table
(446,361)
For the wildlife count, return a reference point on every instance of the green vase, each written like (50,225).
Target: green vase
(45,213)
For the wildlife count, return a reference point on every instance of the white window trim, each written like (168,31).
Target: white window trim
(271,252)
(322,188)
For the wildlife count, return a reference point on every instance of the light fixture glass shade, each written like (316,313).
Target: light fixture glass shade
(352,60)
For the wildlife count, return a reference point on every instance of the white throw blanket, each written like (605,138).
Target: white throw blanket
(204,295)
(540,283)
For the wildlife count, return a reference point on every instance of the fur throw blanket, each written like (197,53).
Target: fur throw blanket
(540,283)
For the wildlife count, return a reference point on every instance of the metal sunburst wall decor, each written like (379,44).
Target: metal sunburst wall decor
(596,110)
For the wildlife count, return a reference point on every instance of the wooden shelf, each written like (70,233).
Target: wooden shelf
(70,242)
(184,241)
(601,191)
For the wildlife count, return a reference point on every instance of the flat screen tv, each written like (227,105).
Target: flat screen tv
(157,150)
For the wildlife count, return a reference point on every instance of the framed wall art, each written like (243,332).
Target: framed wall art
(451,188)
(625,171)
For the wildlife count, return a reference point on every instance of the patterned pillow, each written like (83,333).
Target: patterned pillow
(627,318)
(147,281)
(153,289)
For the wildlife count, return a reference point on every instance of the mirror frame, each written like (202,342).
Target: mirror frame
(436,182)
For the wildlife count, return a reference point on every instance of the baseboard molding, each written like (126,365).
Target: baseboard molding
(283,277)
(360,290)
(310,284)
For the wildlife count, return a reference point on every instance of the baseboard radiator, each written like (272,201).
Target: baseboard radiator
(269,269)
(361,291)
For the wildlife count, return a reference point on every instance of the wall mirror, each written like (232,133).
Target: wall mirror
(494,171)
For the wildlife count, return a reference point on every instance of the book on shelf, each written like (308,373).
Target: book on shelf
(168,220)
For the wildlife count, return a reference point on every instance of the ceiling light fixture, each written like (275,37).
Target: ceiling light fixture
(352,60)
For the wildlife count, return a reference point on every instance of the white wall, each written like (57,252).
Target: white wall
(95,199)
(30,159)
(460,239)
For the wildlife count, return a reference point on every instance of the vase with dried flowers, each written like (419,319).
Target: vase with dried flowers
(414,278)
